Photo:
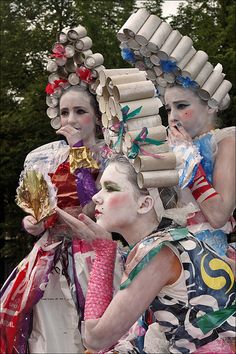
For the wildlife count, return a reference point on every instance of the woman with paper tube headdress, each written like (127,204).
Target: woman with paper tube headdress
(193,91)
(43,299)
(167,270)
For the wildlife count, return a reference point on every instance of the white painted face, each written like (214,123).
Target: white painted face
(116,204)
(77,111)
(185,106)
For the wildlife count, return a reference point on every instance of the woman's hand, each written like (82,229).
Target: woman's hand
(89,209)
(177,134)
(84,227)
(31,225)
(71,134)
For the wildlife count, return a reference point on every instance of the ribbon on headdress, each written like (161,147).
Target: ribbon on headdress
(51,88)
(128,55)
(126,115)
(142,137)
(186,82)
(58,51)
(168,66)
(84,74)
(81,157)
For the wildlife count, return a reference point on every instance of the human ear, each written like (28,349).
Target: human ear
(145,204)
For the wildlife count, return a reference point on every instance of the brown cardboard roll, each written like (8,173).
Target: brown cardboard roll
(167,161)
(150,106)
(84,43)
(104,74)
(134,91)
(156,133)
(169,45)
(139,123)
(76,33)
(188,56)
(211,84)
(86,53)
(151,179)
(147,30)
(134,23)
(123,79)
(133,44)
(145,52)
(204,73)
(195,65)
(159,37)
(93,60)
(220,93)
(52,66)
(181,49)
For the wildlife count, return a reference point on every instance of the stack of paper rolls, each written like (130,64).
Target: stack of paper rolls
(130,90)
(152,42)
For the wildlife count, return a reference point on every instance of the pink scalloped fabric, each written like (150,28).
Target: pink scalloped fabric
(100,288)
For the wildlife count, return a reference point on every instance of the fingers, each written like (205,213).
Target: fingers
(99,231)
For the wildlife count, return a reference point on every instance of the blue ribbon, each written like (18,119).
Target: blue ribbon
(186,82)
(168,66)
(128,55)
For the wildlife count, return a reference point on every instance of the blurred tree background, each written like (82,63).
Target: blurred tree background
(29,29)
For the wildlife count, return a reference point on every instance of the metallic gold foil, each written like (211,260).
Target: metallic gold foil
(81,157)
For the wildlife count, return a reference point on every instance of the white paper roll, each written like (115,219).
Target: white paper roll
(139,123)
(126,78)
(195,65)
(93,60)
(167,161)
(159,37)
(220,93)
(103,75)
(188,56)
(134,23)
(211,85)
(204,73)
(169,45)
(150,106)
(151,179)
(134,91)
(156,133)
(83,43)
(181,49)
(147,30)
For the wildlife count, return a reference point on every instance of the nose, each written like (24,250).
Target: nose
(173,116)
(97,198)
(71,118)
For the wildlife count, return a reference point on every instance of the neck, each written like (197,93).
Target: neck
(139,229)
(90,141)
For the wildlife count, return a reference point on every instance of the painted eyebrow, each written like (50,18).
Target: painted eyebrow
(76,107)
(112,184)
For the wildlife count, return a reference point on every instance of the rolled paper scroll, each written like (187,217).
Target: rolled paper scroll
(94,60)
(148,29)
(188,56)
(159,37)
(108,73)
(220,93)
(156,149)
(145,52)
(76,33)
(156,133)
(70,66)
(73,79)
(105,120)
(167,161)
(169,45)
(52,77)
(211,85)
(85,54)
(139,123)
(97,70)
(151,75)
(69,51)
(155,59)
(204,74)
(225,102)
(134,23)
(52,66)
(93,89)
(108,112)
(150,106)
(123,79)
(158,71)
(169,77)
(52,112)
(151,179)
(62,72)
(84,43)
(62,37)
(102,104)
(134,91)
(56,123)
(148,63)
(195,65)
(133,44)
(181,49)
(161,81)
(52,101)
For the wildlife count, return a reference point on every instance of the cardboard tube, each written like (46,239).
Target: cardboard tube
(134,23)
(121,36)
(139,123)
(149,163)
(147,30)
(139,64)
(97,70)
(94,60)
(145,52)
(204,73)
(150,106)
(151,75)
(181,49)
(62,37)
(161,81)
(78,59)
(53,112)
(70,66)
(133,44)
(105,120)
(211,85)
(69,51)
(52,101)
(114,107)
(157,133)
(157,70)
(169,77)
(220,93)
(76,33)
(169,45)
(159,37)
(56,123)
(126,78)
(73,79)
(195,65)
(224,104)
(134,91)
(103,75)
(184,61)
(85,54)
(150,179)
(155,59)
(52,66)
(84,43)
(52,77)
(102,104)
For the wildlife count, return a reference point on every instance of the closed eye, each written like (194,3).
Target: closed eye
(182,105)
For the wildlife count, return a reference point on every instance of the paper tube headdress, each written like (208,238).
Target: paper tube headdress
(152,45)
(72,63)
(132,125)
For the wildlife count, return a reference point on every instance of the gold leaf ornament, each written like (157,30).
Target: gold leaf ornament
(33,195)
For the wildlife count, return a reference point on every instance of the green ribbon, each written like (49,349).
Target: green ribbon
(142,137)
(126,115)
(212,320)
